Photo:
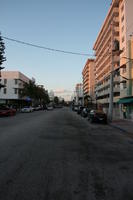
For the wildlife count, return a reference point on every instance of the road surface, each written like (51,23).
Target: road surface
(58,155)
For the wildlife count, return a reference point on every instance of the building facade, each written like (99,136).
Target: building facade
(51,95)
(79,94)
(126,63)
(13,82)
(113,47)
(88,75)
(64,94)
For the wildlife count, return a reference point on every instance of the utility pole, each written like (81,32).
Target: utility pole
(111,76)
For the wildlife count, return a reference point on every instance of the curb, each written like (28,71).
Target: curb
(127,133)
(118,127)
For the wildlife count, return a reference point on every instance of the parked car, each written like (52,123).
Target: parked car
(97,116)
(58,106)
(75,108)
(27,109)
(5,111)
(50,107)
(85,112)
(80,108)
(36,108)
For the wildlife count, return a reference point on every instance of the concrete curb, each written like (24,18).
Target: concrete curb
(118,127)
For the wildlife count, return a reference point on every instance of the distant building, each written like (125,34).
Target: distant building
(88,75)
(13,82)
(64,94)
(51,95)
(79,94)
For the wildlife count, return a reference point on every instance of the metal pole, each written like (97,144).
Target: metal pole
(111,78)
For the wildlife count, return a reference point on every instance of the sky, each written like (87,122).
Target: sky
(70,25)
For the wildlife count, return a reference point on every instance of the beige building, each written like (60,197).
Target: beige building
(114,37)
(88,75)
(126,64)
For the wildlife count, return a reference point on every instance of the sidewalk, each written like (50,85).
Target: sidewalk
(123,125)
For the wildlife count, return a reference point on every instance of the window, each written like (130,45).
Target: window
(16,81)
(124,70)
(122,19)
(15,91)
(122,29)
(4,90)
(123,49)
(123,39)
(124,85)
(122,8)
(5,81)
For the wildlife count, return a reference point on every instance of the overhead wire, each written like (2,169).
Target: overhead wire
(55,50)
(47,48)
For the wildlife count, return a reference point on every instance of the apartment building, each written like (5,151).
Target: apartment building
(113,48)
(79,94)
(126,63)
(107,60)
(88,75)
(13,82)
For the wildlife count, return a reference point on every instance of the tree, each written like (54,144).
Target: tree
(2,58)
(56,100)
(29,90)
(36,93)
(2,51)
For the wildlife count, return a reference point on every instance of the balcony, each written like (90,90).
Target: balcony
(116,89)
(117,79)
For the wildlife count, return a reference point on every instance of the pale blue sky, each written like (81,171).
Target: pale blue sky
(70,25)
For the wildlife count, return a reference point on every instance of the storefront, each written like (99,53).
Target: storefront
(126,107)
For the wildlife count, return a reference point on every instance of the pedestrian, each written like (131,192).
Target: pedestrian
(124,112)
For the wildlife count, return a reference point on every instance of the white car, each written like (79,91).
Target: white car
(50,107)
(27,109)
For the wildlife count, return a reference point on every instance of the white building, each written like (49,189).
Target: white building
(13,82)
(51,95)
(64,94)
(79,94)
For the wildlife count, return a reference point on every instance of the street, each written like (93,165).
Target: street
(58,155)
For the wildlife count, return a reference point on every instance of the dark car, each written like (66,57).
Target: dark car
(5,111)
(97,116)
(85,112)
(75,108)
(80,108)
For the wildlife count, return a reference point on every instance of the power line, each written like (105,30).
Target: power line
(57,50)
(47,48)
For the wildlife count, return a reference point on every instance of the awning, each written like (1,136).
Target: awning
(125,100)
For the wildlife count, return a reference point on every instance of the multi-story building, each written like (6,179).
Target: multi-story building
(13,82)
(79,94)
(113,48)
(126,62)
(88,75)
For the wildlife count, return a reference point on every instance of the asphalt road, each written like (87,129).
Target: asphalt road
(57,155)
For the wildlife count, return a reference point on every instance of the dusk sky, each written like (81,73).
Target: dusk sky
(70,25)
